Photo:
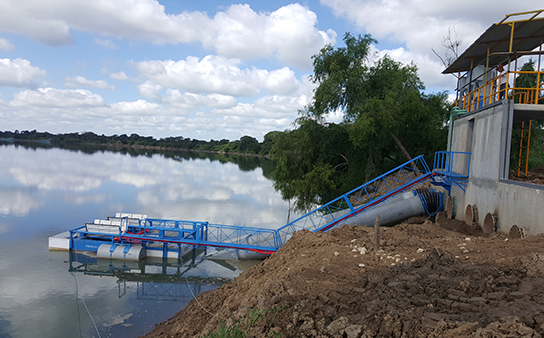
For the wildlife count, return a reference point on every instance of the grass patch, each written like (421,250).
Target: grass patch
(241,327)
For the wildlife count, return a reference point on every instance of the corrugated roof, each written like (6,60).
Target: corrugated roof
(528,35)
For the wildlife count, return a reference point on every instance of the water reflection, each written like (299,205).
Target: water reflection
(145,281)
(162,185)
(44,191)
(244,163)
(17,202)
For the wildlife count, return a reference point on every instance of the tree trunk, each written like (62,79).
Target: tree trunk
(401,147)
(404,151)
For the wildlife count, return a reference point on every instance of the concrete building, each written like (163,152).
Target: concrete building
(485,123)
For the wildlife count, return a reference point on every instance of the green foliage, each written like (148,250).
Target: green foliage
(340,74)
(269,141)
(241,328)
(387,119)
(306,159)
(526,81)
(246,144)
(536,145)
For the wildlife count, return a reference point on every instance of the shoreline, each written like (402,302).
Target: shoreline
(135,146)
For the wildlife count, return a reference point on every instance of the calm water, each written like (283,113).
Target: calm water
(46,191)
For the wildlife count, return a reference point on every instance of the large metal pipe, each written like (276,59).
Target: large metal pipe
(407,205)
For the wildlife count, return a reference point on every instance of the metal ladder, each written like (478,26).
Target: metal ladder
(525,139)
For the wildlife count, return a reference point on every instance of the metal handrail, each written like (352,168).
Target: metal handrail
(479,98)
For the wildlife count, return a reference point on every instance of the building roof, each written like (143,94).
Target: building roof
(528,34)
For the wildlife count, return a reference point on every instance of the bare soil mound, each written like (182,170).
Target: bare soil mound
(429,279)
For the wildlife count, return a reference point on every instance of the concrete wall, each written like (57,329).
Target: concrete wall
(520,205)
(487,135)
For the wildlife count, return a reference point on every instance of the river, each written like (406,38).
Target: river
(45,191)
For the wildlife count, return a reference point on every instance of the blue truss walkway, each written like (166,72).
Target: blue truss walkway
(171,235)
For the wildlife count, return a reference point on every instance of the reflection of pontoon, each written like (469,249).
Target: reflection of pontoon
(155,279)
(134,236)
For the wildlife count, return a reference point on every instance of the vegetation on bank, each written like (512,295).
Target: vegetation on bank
(387,120)
(245,145)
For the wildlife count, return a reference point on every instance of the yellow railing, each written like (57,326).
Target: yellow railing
(492,92)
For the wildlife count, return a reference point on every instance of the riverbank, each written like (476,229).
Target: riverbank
(429,279)
(120,146)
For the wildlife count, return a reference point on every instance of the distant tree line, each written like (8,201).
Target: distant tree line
(245,145)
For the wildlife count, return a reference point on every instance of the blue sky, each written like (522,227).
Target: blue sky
(203,69)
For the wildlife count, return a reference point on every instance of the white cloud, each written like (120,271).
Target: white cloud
(36,19)
(140,106)
(60,111)
(275,106)
(279,81)
(422,24)
(17,202)
(288,33)
(150,89)
(175,112)
(6,45)
(217,74)
(119,76)
(19,73)
(212,74)
(284,104)
(51,97)
(106,43)
(190,101)
(81,81)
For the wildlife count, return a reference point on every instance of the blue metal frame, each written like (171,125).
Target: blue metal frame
(167,232)
(171,235)
(364,197)
(447,169)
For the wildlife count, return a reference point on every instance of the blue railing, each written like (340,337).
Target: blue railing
(366,196)
(451,168)
(206,234)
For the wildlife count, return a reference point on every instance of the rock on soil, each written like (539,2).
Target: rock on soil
(429,279)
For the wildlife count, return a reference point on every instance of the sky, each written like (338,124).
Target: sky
(205,69)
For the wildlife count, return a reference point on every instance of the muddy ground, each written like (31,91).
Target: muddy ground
(430,278)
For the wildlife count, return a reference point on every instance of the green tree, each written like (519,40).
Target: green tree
(305,162)
(269,141)
(527,83)
(249,145)
(387,119)
(340,74)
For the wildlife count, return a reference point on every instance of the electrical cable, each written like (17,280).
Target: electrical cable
(78,313)
(77,305)
(194,297)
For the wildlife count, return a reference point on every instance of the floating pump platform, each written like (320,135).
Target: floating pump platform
(394,196)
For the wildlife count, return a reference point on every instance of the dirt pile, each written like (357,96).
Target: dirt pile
(535,176)
(425,281)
